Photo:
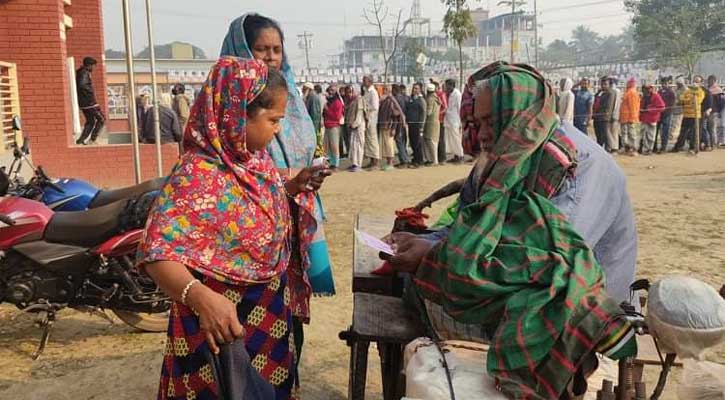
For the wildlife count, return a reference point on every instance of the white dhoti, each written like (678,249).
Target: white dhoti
(357,146)
(372,146)
(454,140)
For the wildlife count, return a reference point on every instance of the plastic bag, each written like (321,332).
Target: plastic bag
(702,380)
(686,315)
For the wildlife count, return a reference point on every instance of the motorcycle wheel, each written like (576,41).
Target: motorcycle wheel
(146,322)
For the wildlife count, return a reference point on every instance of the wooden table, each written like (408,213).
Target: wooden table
(379,316)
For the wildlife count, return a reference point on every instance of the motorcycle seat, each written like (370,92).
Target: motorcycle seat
(85,228)
(105,197)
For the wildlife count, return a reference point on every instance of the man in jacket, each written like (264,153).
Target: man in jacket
(664,127)
(649,116)
(401,135)
(169,126)
(181,104)
(603,109)
(691,100)
(415,116)
(629,117)
(565,102)
(583,103)
(87,102)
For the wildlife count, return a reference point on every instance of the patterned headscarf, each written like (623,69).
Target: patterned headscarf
(514,264)
(294,147)
(223,211)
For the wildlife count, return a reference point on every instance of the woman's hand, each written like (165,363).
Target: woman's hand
(308,180)
(218,317)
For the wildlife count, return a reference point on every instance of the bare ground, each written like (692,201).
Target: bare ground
(680,208)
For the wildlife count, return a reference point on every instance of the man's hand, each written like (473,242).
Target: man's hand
(409,251)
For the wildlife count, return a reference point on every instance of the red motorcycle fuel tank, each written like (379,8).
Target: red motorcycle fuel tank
(31,218)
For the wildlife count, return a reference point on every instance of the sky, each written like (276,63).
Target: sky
(330,21)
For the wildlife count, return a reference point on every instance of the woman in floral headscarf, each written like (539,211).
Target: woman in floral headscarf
(218,240)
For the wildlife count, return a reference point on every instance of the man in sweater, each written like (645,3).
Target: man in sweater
(415,116)
(691,100)
(649,116)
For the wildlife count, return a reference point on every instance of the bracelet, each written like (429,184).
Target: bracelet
(185,292)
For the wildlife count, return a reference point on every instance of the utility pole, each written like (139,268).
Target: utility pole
(306,44)
(536,36)
(513,4)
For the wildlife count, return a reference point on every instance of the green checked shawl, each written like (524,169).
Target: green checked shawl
(513,263)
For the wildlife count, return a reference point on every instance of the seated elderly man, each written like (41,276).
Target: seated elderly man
(544,216)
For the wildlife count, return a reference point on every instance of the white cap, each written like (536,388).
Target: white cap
(430,87)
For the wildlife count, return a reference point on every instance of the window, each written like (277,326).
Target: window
(9,106)
(117,101)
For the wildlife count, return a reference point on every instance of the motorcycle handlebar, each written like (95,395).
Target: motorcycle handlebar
(46,181)
(6,219)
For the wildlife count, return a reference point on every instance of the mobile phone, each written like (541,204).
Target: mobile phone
(318,162)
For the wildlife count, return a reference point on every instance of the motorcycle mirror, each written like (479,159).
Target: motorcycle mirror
(17,125)
(26,145)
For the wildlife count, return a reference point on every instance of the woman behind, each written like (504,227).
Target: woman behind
(217,241)
(389,118)
(333,114)
(292,148)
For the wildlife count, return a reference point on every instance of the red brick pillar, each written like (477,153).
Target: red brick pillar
(31,36)
(85,39)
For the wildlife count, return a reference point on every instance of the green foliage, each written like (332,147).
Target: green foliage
(675,32)
(458,25)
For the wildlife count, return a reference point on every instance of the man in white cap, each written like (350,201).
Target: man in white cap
(313,105)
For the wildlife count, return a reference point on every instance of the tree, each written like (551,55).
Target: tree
(165,51)
(675,32)
(585,42)
(458,25)
(558,52)
(412,48)
(376,15)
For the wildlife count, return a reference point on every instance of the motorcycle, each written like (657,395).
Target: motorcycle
(82,260)
(64,194)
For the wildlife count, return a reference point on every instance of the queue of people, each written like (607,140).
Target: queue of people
(401,129)
(644,121)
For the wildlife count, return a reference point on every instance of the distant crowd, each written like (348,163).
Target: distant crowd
(374,127)
(647,121)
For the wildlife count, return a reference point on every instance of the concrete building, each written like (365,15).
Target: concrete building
(494,37)
(367,51)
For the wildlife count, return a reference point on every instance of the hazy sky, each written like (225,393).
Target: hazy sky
(204,23)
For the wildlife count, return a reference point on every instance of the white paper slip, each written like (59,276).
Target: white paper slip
(375,243)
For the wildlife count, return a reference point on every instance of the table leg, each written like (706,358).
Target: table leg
(391,360)
(358,370)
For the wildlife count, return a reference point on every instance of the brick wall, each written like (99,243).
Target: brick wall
(30,36)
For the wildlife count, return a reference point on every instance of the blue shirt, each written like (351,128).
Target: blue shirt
(597,204)
(583,101)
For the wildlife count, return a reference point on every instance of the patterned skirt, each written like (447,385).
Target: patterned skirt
(264,312)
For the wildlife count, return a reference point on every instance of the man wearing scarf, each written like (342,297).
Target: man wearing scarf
(543,217)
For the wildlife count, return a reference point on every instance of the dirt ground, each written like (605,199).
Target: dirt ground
(680,208)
